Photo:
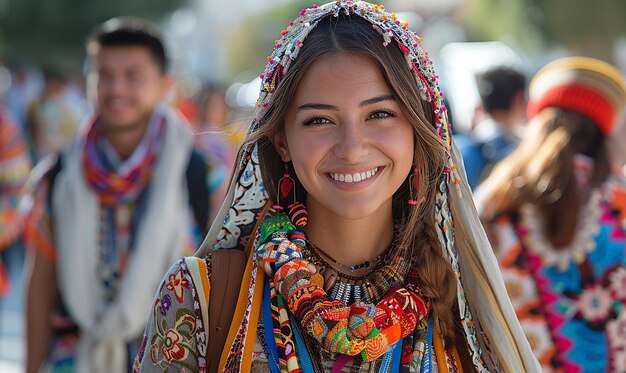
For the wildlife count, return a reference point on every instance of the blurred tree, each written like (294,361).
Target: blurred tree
(255,37)
(52,33)
(581,26)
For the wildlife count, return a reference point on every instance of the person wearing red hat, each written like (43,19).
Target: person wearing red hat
(556,218)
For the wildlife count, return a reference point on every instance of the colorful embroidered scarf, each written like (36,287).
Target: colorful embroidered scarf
(112,187)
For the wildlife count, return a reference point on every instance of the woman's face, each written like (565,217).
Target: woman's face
(350,143)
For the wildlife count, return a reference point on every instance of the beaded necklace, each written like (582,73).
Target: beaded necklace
(353,268)
(386,269)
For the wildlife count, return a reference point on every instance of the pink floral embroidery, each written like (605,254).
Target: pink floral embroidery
(172,349)
(595,304)
(174,344)
(176,283)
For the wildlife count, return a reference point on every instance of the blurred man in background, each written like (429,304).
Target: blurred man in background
(23,90)
(119,204)
(212,140)
(502,112)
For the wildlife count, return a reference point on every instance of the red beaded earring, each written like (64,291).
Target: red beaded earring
(413,186)
(296,211)
(285,188)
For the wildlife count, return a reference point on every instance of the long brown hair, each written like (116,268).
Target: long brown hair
(541,172)
(352,34)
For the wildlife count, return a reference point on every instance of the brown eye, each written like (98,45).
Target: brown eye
(316,121)
(382,114)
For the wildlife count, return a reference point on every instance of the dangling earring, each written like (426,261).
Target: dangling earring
(413,186)
(285,187)
(296,211)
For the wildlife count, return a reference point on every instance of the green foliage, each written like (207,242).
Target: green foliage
(589,27)
(502,19)
(583,26)
(52,32)
(253,41)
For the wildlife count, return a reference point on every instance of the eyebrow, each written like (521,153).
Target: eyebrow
(367,102)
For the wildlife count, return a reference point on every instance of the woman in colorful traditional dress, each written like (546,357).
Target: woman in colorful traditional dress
(387,269)
(556,218)
(15,164)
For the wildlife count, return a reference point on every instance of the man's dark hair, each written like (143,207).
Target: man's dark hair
(128,31)
(498,87)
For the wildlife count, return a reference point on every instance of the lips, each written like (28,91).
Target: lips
(353,177)
(117,105)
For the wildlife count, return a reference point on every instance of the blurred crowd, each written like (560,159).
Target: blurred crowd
(542,153)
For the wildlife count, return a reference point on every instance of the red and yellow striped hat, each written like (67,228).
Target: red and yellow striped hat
(585,85)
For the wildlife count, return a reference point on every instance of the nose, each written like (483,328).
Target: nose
(352,141)
(112,85)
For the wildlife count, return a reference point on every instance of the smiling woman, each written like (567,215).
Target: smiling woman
(368,276)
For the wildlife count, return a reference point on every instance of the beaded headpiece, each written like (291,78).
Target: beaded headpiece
(286,50)
(247,196)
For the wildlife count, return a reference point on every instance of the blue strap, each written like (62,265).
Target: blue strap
(428,349)
(397,356)
(306,366)
(268,328)
(392,358)
(387,359)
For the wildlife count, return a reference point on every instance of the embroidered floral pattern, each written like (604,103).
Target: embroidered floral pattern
(166,303)
(170,340)
(595,304)
(173,348)
(176,284)
(560,296)
(175,344)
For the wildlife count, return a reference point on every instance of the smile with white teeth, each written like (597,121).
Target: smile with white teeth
(353,178)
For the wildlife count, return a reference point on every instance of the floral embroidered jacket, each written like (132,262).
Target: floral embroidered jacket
(571,303)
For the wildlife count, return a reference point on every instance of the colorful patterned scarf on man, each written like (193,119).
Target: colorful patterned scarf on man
(114,188)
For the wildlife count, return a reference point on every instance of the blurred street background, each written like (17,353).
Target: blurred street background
(225,43)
